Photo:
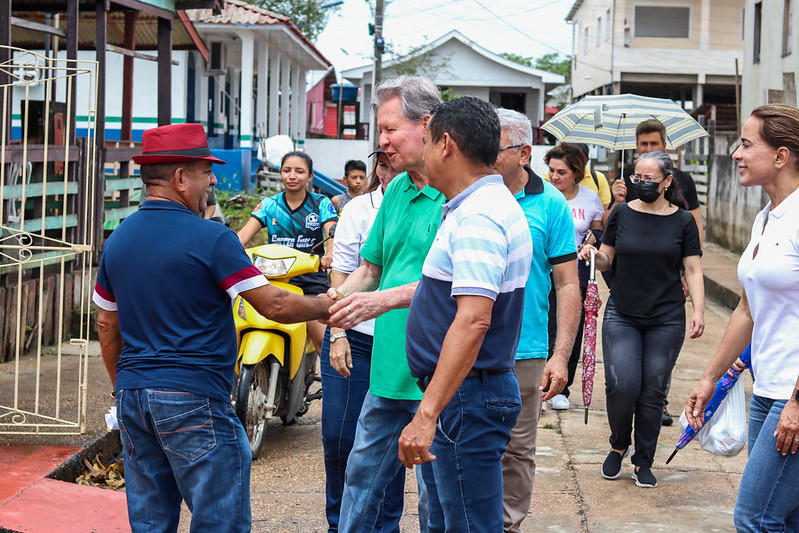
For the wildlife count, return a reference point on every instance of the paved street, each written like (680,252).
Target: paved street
(696,491)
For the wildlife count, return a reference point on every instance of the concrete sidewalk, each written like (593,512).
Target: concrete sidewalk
(696,492)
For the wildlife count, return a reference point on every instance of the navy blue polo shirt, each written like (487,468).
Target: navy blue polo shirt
(171,276)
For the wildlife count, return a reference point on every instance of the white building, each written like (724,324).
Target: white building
(457,63)
(684,50)
(252,83)
(771,63)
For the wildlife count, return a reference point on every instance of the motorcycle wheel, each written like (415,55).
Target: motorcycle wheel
(251,406)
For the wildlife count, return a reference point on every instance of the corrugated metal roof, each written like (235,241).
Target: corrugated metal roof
(146,31)
(573,10)
(288,38)
(238,12)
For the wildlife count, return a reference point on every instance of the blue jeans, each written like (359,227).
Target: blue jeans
(341,406)
(374,463)
(471,435)
(181,446)
(768,497)
(639,356)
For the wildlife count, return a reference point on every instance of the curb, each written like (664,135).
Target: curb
(105,446)
(721,294)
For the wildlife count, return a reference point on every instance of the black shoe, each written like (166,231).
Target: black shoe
(644,478)
(666,419)
(611,468)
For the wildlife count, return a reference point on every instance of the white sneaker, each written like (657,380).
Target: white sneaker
(559,403)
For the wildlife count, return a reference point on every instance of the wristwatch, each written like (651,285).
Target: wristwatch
(336,336)
(796,395)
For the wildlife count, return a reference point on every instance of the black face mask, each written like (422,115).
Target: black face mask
(647,191)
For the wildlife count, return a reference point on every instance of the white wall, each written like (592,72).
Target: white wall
(145,95)
(537,158)
(593,64)
(712,48)
(758,78)
(330,155)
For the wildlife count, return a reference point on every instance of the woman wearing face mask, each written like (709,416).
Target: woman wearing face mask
(646,241)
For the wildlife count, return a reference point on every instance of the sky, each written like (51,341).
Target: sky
(529,28)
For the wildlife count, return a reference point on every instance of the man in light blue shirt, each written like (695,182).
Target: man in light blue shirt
(552,229)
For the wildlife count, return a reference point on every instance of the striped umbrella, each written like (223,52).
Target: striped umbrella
(610,121)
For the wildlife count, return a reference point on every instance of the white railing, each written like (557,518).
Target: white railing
(47,216)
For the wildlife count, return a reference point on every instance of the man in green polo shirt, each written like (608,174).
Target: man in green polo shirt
(393,256)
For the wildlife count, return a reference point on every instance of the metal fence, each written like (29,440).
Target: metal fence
(47,181)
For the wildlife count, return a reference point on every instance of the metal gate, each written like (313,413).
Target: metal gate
(47,195)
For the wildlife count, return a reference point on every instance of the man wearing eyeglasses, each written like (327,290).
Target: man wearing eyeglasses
(551,227)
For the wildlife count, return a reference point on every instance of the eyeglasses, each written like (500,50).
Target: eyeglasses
(637,178)
(503,148)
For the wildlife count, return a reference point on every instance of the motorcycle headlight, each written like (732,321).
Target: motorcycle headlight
(240,310)
(274,268)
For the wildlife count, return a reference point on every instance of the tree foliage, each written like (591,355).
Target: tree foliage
(551,62)
(307,15)
(516,58)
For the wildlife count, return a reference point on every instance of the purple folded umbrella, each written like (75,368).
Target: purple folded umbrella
(722,388)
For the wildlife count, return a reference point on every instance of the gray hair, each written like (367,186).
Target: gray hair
(516,125)
(418,95)
(663,160)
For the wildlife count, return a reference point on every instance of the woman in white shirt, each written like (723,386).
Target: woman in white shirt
(350,352)
(768,317)
(566,170)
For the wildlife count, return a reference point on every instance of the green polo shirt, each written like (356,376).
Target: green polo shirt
(398,242)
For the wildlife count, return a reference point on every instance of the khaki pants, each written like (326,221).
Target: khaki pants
(518,462)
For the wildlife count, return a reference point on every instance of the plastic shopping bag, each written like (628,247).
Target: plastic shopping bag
(725,433)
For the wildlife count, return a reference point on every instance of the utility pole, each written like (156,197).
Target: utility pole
(377,70)
(379,43)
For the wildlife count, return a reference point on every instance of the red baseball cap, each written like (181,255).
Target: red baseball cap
(175,143)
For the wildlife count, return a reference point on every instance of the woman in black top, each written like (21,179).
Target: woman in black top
(646,241)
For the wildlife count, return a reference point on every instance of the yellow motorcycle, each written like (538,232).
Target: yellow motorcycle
(276,363)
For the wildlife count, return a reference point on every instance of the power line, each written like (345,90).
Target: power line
(514,28)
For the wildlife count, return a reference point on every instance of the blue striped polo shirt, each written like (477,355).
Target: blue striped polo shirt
(482,247)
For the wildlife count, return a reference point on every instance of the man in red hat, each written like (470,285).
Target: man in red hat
(164,287)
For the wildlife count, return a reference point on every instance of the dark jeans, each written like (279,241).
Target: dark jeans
(577,348)
(471,435)
(639,355)
(183,446)
(341,406)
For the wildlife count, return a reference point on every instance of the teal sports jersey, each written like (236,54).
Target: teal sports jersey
(300,228)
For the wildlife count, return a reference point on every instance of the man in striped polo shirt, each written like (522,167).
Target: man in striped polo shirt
(465,319)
